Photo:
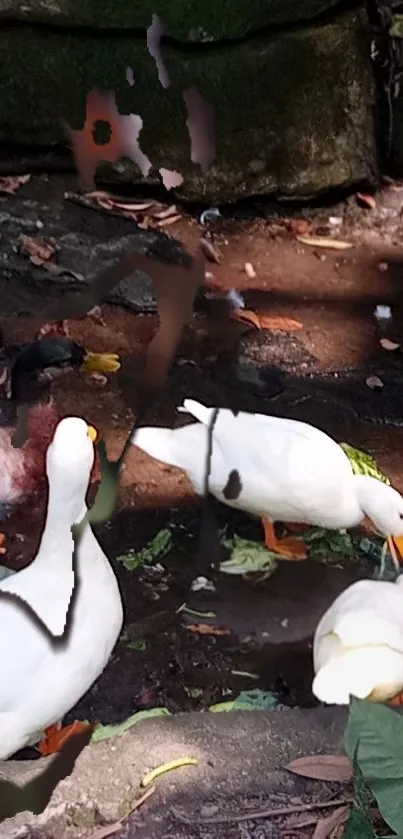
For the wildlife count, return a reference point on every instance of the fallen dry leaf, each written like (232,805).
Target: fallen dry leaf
(165,222)
(206,629)
(249,270)
(325,827)
(389,345)
(279,323)
(209,251)
(169,211)
(322,767)
(324,242)
(39,251)
(374,382)
(11,183)
(367,201)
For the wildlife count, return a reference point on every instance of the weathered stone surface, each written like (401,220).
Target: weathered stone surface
(240,755)
(87,242)
(292,113)
(186,20)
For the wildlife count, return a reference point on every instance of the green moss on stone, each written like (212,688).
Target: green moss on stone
(292,113)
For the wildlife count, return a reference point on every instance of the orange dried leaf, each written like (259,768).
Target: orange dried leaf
(389,345)
(207,629)
(165,222)
(368,201)
(280,323)
(322,767)
(325,827)
(39,251)
(11,183)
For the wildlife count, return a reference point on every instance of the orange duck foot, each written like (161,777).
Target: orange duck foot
(286,548)
(54,329)
(295,527)
(57,735)
(3,549)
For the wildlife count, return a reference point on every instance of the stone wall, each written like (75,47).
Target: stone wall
(293,99)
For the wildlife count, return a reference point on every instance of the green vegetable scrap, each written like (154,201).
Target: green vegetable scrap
(323,544)
(156,548)
(363,464)
(105,732)
(248,557)
(249,700)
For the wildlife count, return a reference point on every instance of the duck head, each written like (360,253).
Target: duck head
(69,462)
(384,506)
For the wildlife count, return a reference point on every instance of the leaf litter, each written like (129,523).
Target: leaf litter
(10,183)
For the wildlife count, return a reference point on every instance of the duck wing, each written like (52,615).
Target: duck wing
(288,469)
(367,613)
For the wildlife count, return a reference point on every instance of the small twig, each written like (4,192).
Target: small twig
(266,813)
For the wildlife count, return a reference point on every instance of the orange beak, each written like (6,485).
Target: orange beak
(395,545)
(92,433)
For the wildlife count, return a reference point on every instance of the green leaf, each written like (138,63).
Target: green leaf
(248,557)
(105,732)
(374,735)
(396,30)
(358,827)
(138,645)
(363,464)
(156,547)
(248,700)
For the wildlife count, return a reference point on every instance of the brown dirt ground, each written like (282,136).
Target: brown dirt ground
(333,295)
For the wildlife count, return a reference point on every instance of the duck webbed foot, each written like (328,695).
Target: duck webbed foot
(57,735)
(286,548)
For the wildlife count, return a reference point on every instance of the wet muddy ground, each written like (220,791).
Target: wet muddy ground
(260,635)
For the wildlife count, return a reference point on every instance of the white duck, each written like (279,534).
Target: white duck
(282,470)
(358,644)
(42,677)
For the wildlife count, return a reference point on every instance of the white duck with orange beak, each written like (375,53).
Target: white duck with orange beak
(43,677)
(286,471)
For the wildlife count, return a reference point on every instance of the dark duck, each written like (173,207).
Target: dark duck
(25,374)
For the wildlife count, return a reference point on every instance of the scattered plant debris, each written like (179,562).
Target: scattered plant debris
(322,767)
(390,346)
(39,251)
(248,557)
(11,183)
(248,700)
(207,629)
(105,732)
(167,767)
(365,200)
(324,242)
(157,547)
(323,544)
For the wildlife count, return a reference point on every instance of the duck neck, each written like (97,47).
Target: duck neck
(367,497)
(57,535)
